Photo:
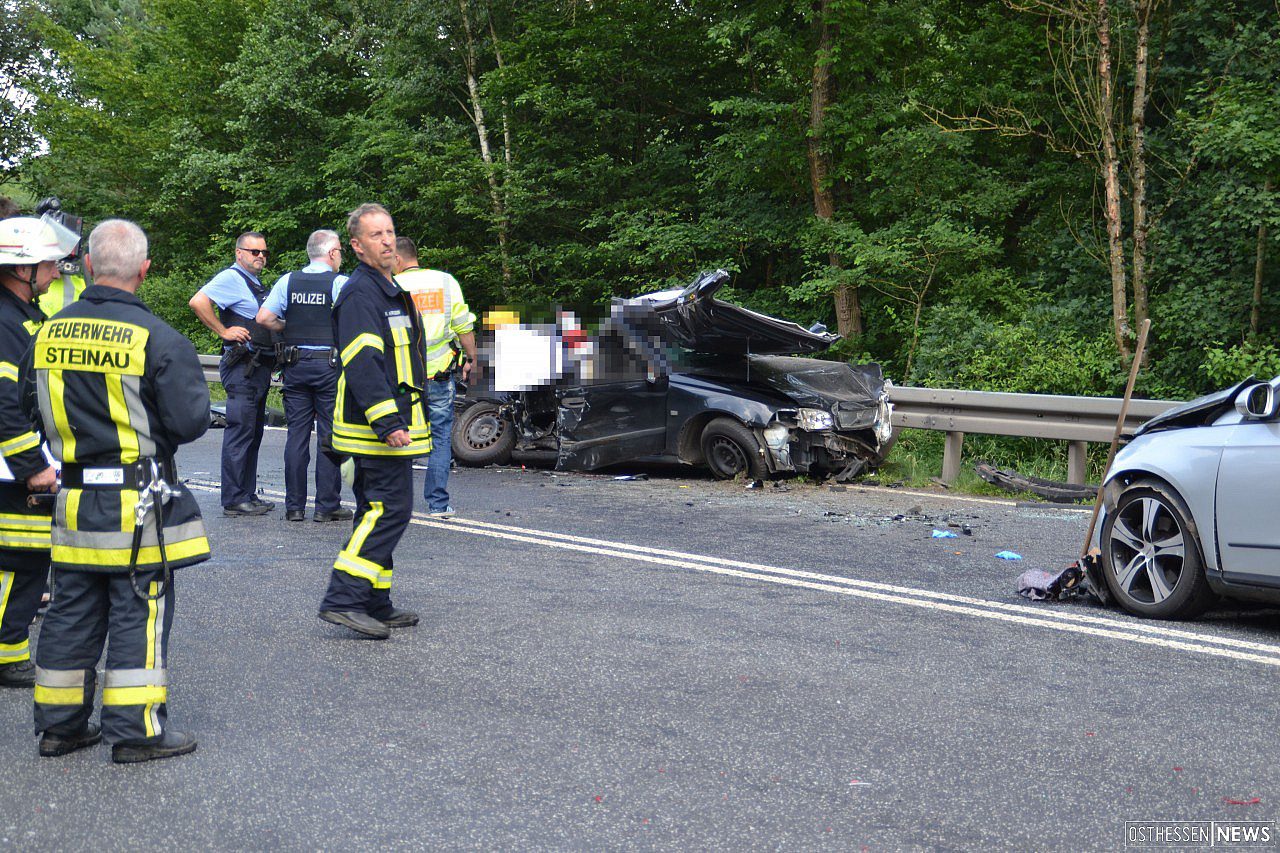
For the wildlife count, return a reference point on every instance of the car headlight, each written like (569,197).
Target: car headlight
(816,419)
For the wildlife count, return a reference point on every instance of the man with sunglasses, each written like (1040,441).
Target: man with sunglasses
(228,305)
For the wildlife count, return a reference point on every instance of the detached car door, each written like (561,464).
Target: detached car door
(1248,493)
(616,409)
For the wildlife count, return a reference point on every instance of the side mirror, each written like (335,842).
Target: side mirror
(1257,402)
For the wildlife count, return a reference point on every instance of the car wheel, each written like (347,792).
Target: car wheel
(1151,557)
(730,450)
(482,436)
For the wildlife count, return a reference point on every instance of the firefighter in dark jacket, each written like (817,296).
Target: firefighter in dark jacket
(380,419)
(29,250)
(118,391)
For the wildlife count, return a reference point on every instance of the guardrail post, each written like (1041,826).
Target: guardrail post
(1077,462)
(951,456)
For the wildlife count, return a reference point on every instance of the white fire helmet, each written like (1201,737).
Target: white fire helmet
(27,240)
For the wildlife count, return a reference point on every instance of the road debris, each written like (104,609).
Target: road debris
(1047,586)
(1008,555)
(944,534)
(630,477)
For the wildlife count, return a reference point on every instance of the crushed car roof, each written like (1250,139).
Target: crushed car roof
(694,319)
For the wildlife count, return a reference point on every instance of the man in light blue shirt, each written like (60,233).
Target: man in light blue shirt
(300,306)
(248,357)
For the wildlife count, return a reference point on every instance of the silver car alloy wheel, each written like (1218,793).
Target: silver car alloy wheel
(1148,550)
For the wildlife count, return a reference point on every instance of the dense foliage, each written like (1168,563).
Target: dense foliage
(933,167)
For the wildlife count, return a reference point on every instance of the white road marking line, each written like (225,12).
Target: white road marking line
(1141,633)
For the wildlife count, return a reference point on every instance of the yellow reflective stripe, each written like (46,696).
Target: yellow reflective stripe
(361,341)
(8,370)
(128,503)
(153,610)
(34,541)
(69,554)
(384,580)
(380,410)
(57,391)
(357,566)
(152,695)
(24,522)
(73,509)
(373,447)
(125,433)
(365,527)
(20,443)
(15,652)
(59,695)
(404,369)
(32,326)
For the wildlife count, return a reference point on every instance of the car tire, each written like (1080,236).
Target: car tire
(730,450)
(1151,555)
(482,436)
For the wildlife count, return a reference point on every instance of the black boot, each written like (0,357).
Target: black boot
(19,674)
(168,745)
(53,745)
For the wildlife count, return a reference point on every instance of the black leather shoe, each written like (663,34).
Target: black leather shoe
(340,514)
(247,508)
(168,745)
(52,745)
(257,501)
(19,674)
(294,515)
(361,623)
(400,619)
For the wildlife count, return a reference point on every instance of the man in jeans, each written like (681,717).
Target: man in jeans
(446,319)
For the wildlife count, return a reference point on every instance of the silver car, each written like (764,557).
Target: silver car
(1191,508)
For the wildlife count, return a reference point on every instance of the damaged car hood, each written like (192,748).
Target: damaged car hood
(1198,412)
(693,319)
(811,382)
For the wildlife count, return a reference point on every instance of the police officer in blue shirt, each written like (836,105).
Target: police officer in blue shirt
(300,306)
(228,305)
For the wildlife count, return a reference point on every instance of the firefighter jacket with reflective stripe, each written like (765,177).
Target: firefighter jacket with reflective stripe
(379,339)
(309,309)
(22,527)
(114,384)
(62,292)
(445,314)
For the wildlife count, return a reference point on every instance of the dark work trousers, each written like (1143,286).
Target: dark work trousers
(246,416)
(361,578)
(310,388)
(87,608)
(22,580)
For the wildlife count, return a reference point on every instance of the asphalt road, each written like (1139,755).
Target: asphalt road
(670,663)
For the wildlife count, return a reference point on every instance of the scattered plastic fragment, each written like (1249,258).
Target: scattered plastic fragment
(632,477)
(1008,555)
(599,798)
(944,534)
(966,530)
(756,484)
(1253,801)
(1039,586)
(858,782)
(833,514)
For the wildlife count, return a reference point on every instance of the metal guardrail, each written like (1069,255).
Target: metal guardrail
(1076,420)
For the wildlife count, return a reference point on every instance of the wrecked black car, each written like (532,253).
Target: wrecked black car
(683,377)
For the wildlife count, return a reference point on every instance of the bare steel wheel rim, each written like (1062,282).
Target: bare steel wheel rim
(1148,550)
(485,430)
(726,457)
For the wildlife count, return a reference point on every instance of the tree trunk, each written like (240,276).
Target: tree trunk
(848,313)
(1110,168)
(486,153)
(1141,224)
(1258,264)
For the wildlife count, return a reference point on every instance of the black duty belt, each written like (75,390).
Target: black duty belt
(326,354)
(134,476)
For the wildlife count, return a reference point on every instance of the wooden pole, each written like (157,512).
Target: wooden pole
(1115,437)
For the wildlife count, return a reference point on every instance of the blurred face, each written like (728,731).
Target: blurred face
(376,242)
(252,254)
